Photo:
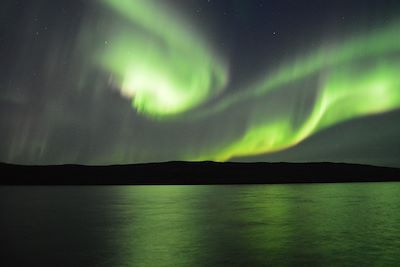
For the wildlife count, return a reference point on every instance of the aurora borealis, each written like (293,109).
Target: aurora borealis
(128,81)
(165,69)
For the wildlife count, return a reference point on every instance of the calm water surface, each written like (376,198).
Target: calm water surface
(244,225)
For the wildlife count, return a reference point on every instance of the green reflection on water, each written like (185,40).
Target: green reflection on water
(158,225)
(324,224)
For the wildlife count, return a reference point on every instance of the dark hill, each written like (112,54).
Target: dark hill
(195,173)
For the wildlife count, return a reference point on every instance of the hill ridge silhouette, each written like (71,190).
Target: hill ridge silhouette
(192,173)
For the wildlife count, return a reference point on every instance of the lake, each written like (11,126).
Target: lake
(354,224)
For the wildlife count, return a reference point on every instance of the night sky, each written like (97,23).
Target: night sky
(129,81)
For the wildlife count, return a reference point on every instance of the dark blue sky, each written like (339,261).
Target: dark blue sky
(57,107)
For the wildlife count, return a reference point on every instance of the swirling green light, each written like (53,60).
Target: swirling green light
(345,95)
(159,62)
(167,69)
(375,44)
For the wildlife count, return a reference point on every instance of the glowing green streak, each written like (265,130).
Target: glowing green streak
(159,62)
(166,69)
(344,96)
(375,44)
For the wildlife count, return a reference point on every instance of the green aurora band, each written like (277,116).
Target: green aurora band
(166,69)
(344,96)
